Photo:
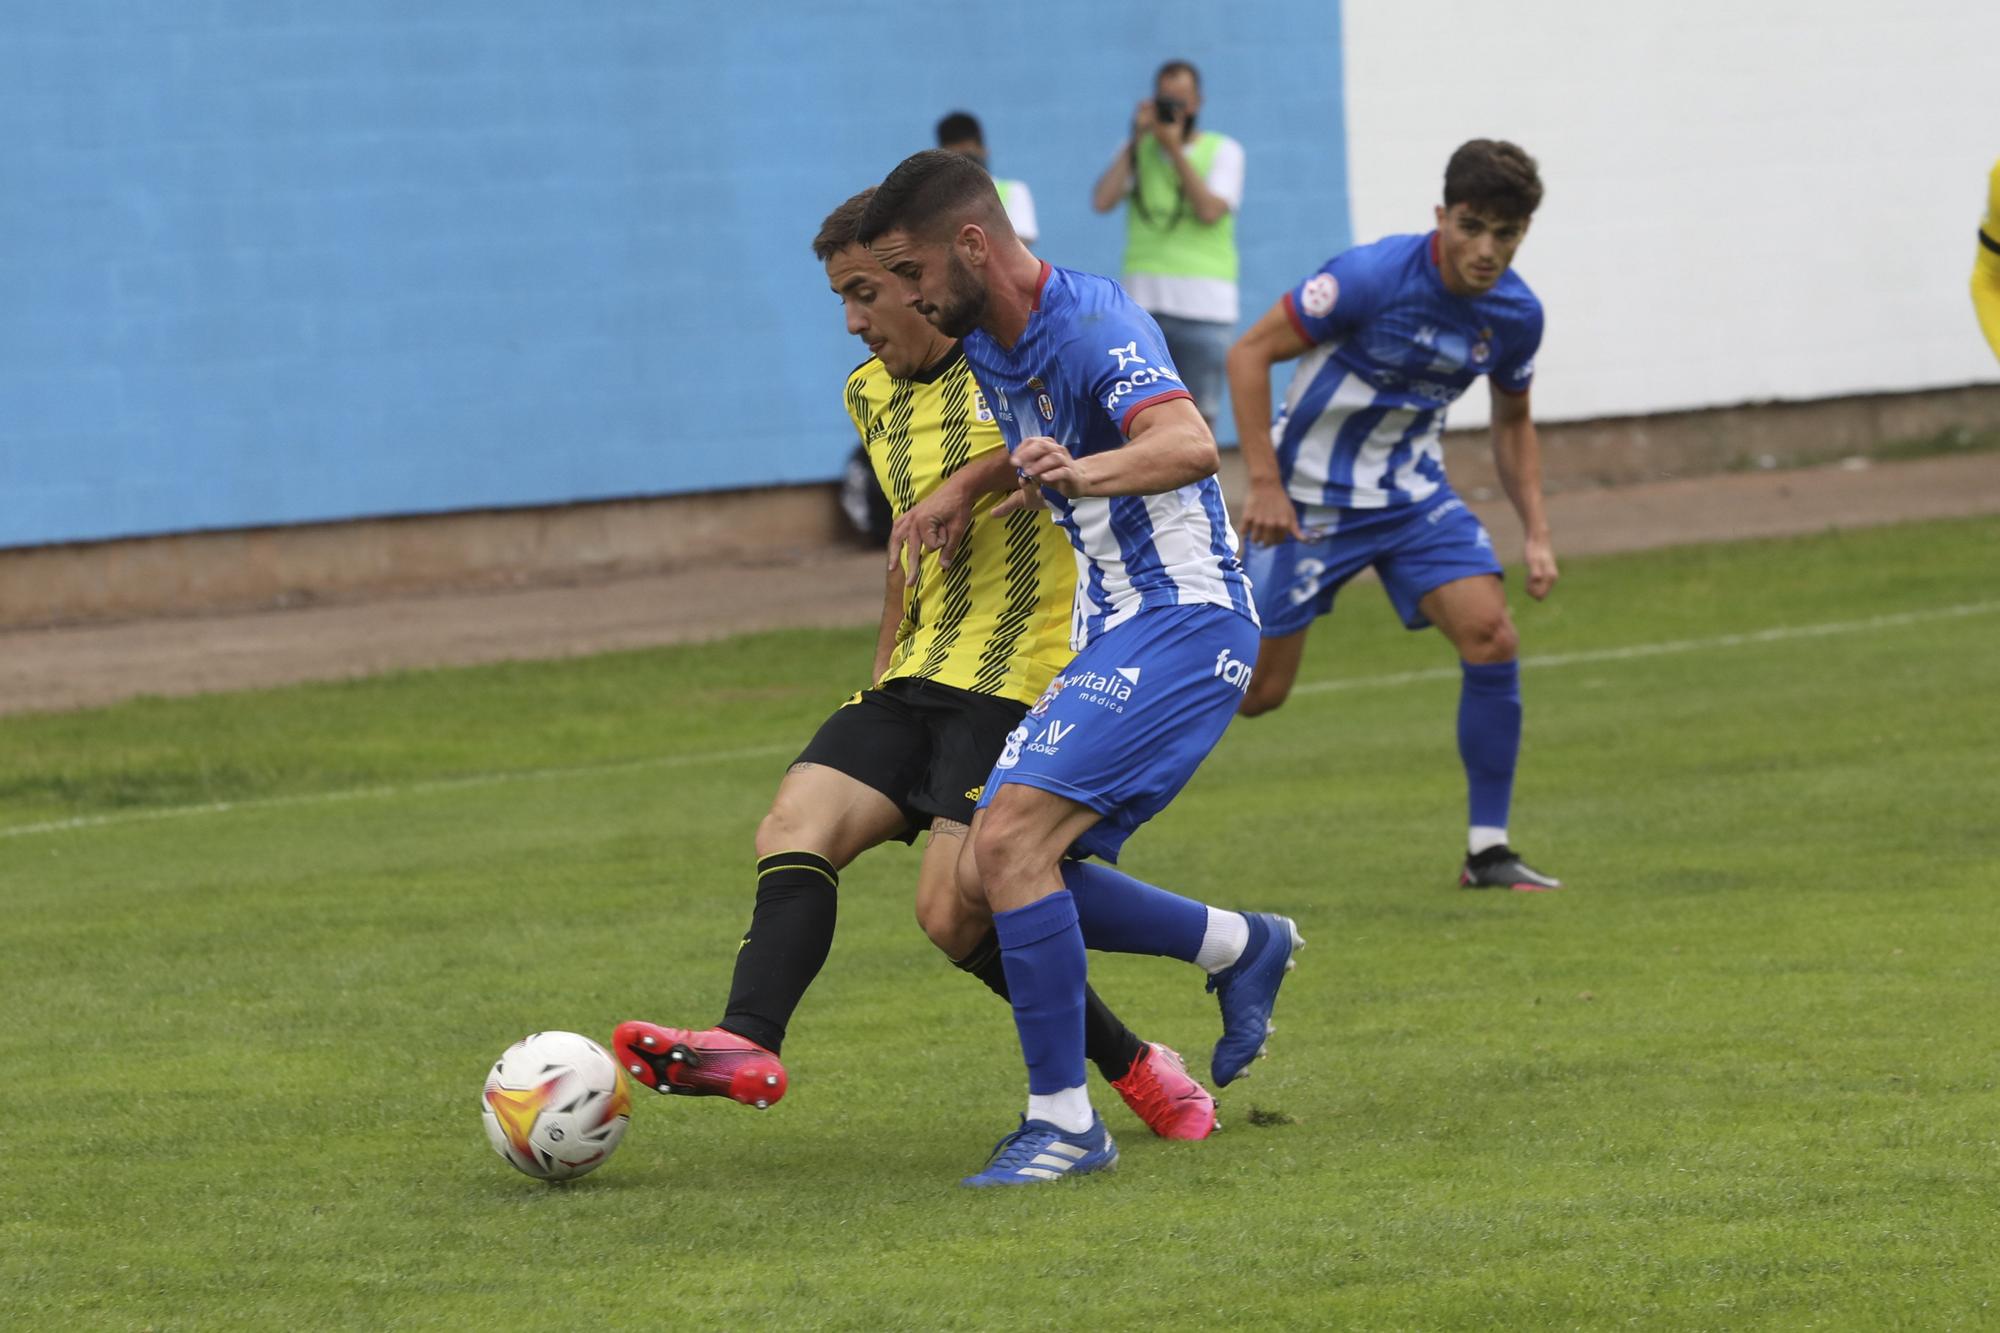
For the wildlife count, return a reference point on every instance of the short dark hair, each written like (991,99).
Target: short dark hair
(1177,67)
(1495,177)
(842,227)
(931,192)
(959,127)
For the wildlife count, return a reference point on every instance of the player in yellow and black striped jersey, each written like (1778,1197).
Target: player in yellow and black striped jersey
(961,653)
(996,621)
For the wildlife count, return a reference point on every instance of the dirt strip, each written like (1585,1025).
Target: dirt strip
(80,666)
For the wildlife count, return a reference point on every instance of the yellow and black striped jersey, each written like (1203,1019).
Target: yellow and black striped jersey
(997,621)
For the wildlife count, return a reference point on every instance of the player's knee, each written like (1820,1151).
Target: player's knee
(1490,639)
(788,827)
(1008,851)
(949,922)
(1261,698)
(937,917)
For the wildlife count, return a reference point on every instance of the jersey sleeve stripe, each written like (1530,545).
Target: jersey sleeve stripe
(1298,324)
(1125,422)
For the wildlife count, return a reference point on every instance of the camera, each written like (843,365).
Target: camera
(1167,110)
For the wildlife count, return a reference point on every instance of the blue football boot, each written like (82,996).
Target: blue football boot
(1038,1152)
(1247,989)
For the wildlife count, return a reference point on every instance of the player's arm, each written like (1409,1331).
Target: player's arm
(1517,456)
(891,629)
(1268,515)
(1168,447)
(938,521)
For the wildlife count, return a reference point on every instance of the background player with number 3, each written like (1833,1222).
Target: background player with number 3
(1349,473)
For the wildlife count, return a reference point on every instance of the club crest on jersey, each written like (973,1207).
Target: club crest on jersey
(1317,296)
(1483,349)
(1048,697)
(1043,403)
(1128,355)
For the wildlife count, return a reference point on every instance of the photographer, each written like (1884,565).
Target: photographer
(1182,186)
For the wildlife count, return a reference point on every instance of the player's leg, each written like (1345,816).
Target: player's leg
(819,822)
(833,804)
(1446,574)
(1293,583)
(1018,841)
(1110,744)
(1150,1077)
(1278,659)
(968,731)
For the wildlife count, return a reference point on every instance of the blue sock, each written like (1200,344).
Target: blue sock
(1119,914)
(1489,738)
(1042,951)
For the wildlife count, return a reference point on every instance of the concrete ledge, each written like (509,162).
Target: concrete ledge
(368,558)
(336,562)
(1618,451)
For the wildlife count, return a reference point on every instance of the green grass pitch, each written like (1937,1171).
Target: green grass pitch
(1741,1074)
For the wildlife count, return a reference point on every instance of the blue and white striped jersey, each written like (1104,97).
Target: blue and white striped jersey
(1392,349)
(1088,361)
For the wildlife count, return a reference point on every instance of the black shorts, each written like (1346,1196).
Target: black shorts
(927,747)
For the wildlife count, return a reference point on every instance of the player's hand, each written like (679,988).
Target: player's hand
(935,523)
(1542,571)
(1269,517)
(1027,494)
(1047,463)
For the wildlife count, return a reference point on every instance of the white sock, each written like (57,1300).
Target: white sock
(1068,1110)
(1223,942)
(1483,836)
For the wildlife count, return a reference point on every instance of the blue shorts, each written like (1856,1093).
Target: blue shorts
(1414,548)
(1122,728)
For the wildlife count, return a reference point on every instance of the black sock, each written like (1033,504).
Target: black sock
(1107,1042)
(791,930)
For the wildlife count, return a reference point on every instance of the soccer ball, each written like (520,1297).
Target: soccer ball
(555,1105)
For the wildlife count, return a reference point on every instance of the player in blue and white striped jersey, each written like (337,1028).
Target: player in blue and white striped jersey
(1349,474)
(1098,427)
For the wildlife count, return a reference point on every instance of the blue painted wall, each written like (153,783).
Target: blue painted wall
(276,261)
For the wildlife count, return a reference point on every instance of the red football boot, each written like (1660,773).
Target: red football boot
(1160,1092)
(712,1063)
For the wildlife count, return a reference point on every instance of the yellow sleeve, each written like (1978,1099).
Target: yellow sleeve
(1986,266)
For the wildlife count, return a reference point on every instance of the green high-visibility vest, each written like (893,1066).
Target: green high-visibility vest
(1162,234)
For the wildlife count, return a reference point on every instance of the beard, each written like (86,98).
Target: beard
(965,301)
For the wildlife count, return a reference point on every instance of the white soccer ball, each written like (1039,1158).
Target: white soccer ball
(555,1105)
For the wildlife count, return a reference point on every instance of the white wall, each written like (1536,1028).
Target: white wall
(1746,200)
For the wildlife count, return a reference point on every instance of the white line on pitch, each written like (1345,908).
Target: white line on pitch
(404,789)
(1779,635)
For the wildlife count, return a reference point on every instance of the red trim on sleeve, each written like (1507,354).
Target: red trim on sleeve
(1125,422)
(1041,281)
(1298,324)
(1435,261)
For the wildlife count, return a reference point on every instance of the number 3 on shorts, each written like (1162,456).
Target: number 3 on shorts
(1305,584)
